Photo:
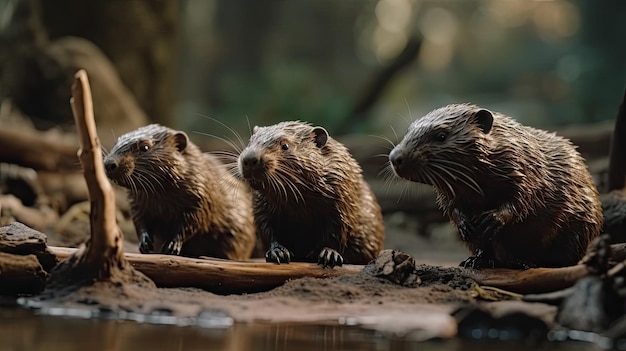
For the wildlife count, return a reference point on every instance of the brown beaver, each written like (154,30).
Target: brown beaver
(183,201)
(311,202)
(520,197)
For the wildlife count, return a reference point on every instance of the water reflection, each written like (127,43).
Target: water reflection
(22,329)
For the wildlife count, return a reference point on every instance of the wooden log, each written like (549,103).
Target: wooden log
(225,276)
(534,280)
(218,275)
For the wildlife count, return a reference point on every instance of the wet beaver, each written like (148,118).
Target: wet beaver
(311,202)
(520,197)
(183,202)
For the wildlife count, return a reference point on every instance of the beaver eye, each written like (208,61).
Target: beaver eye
(144,147)
(285,146)
(441,137)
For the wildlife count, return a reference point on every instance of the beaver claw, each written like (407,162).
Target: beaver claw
(278,254)
(146,244)
(477,262)
(172,247)
(329,258)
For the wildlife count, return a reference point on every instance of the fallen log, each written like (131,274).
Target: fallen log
(220,275)
(530,281)
(224,276)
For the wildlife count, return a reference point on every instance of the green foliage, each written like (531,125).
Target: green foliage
(282,92)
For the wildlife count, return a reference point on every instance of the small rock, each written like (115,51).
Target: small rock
(19,239)
(395,266)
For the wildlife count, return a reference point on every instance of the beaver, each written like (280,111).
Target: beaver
(310,200)
(520,197)
(183,201)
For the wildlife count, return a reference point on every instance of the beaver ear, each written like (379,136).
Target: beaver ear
(320,136)
(484,119)
(254,130)
(181,140)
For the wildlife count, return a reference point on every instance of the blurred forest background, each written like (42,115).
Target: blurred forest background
(339,63)
(357,67)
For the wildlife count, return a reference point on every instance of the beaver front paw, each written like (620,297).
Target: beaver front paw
(329,258)
(476,262)
(173,246)
(146,245)
(278,254)
(480,260)
(489,224)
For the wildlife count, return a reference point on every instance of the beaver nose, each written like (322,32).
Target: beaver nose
(250,163)
(110,166)
(396,157)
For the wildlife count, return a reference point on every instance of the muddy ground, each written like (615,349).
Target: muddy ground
(374,302)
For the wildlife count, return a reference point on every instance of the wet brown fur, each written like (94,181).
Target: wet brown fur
(519,196)
(312,195)
(176,191)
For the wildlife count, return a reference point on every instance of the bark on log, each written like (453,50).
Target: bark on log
(534,280)
(220,276)
(224,276)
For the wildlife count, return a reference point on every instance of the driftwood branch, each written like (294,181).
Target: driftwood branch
(106,237)
(101,259)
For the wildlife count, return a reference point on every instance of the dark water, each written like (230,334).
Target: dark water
(22,329)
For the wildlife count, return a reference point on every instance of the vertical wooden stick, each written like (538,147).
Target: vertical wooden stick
(106,237)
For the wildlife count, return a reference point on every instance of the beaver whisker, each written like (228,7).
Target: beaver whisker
(142,182)
(443,180)
(386,172)
(395,134)
(277,186)
(226,141)
(462,177)
(291,175)
(294,189)
(404,192)
(388,176)
(144,176)
(231,129)
(131,183)
(143,169)
(226,157)
(384,139)
(297,194)
(456,164)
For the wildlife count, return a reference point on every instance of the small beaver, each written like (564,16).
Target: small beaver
(183,201)
(311,202)
(520,197)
